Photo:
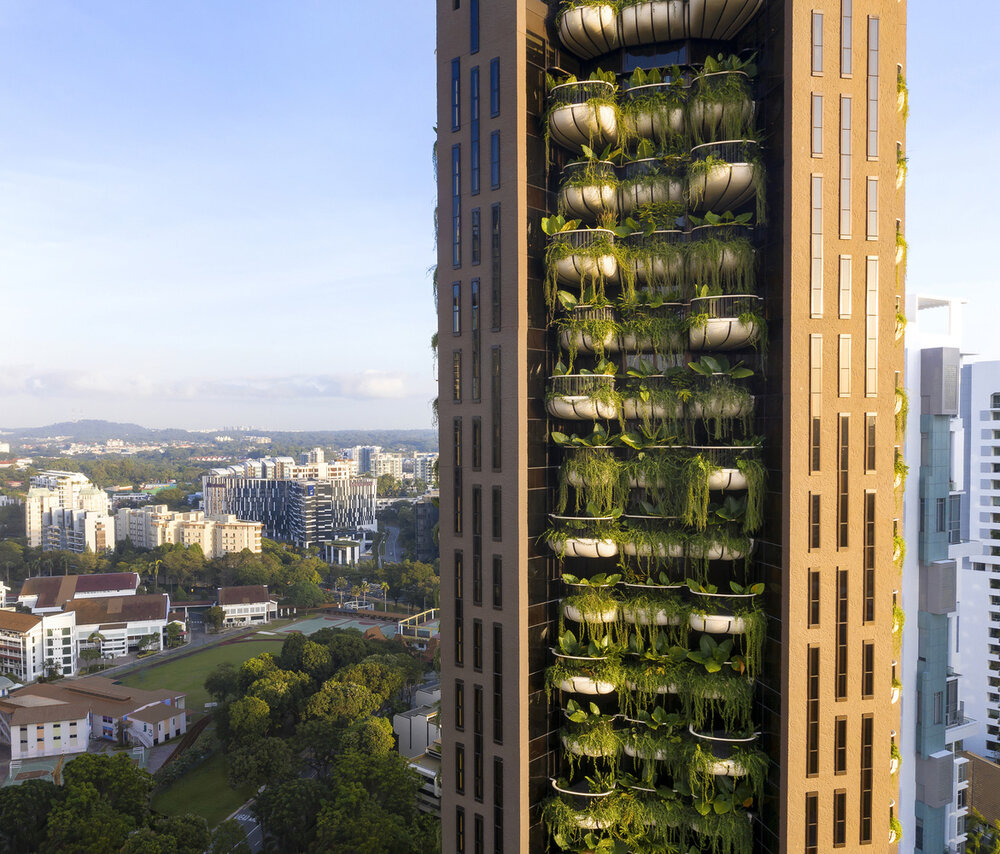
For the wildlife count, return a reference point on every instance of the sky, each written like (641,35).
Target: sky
(219,212)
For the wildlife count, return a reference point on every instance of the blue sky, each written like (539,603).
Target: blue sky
(219,211)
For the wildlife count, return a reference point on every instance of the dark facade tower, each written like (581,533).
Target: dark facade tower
(670,266)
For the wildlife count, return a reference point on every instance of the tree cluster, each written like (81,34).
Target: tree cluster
(317,709)
(103,808)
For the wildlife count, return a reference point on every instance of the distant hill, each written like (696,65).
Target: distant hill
(100,431)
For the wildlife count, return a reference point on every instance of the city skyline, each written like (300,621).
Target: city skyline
(186,220)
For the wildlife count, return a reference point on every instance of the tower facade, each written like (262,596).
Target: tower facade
(670,269)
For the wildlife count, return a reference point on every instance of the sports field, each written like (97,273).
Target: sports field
(188,673)
(204,791)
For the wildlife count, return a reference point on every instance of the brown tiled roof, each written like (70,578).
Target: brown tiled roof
(251,594)
(16,622)
(119,609)
(20,715)
(53,591)
(156,713)
(109,581)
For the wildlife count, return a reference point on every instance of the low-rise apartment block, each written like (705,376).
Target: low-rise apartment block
(155,525)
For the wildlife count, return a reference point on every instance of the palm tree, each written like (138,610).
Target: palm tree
(385,593)
(355,591)
(341,585)
(366,588)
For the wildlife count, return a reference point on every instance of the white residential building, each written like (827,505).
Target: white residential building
(386,463)
(153,525)
(423,467)
(248,604)
(64,510)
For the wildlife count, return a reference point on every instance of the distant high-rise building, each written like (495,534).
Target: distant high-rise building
(716,183)
(64,510)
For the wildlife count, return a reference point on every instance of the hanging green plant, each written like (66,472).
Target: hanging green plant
(719,699)
(721,105)
(596,477)
(727,174)
(591,327)
(653,621)
(593,674)
(902,95)
(654,108)
(721,254)
(710,765)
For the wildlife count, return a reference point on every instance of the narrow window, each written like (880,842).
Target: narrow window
(845,167)
(478,833)
(871,326)
(812,712)
(845,287)
(816,269)
(840,746)
(840,681)
(497,805)
(869,441)
(495,86)
(871,220)
(817,43)
(843,493)
(495,159)
(815,399)
(814,526)
(495,266)
(477,237)
(459,642)
(497,581)
(839,818)
(477,709)
(474,130)
(817,125)
(497,512)
(868,596)
(456,206)
(814,591)
(460,768)
(459,812)
(867,766)
(457,437)
(456,94)
(497,683)
(844,366)
(477,443)
(942,515)
(476,340)
(456,376)
(456,308)
(495,438)
(867,670)
(473,26)
(459,705)
(872,88)
(812,823)
(477,644)
(477,562)
(846,37)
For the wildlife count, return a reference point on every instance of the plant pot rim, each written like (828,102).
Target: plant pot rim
(559,518)
(756,447)
(725,595)
(573,163)
(720,73)
(644,516)
(695,228)
(589,586)
(660,85)
(591,447)
(725,142)
(679,586)
(728,296)
(557,376)
(706,737)
(611,86)
(572,792)
(558,654)
(593,230)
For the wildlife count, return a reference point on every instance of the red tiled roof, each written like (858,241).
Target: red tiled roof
(119,609)
(252,594)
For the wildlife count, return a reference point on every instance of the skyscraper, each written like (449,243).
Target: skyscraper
(670,267)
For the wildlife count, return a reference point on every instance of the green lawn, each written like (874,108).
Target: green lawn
(204,791)
(188,674)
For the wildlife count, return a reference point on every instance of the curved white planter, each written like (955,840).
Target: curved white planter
(580,408)
(655,123)
(589,201)
(576,125)
(633,408)
(660,689)
(707,116)
(590,547)
(892,837)
(589,31)
(893,765)
(722,333)
(718,409)
(656,190)
(583,342)
(578,267)
(898,406)
(655,21)
(650,617)
(608,615)
(717,624)
(723,187)
(656,755)
(573,746)
(573,479)
(727,480)
(728,768)
(586,685)
(894,695)
(719,19)
(656,269)
(659,550)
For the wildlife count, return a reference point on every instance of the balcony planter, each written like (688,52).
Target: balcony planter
(589,29)
(584,258)
(895,830)
(589,329)
(583,113)
(654,398)
(721,613)
(721,405)
(593,738)
(895,691)
(895,758)
(653,608)
(724,698)
(725,175)
(596,475)
(722,256)
(652,746)
(651,181)
(660,329)
(583,675)
(650,21)
(719,19)
(573,610)
(654,111)
(730,322)
(657,260)
(589,189)
(724,755)
(720,106)
(583,397)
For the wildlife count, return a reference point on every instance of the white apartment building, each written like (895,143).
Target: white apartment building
(64,510)
(423,467)
(154,525)
(386,463)
(248,604)
(31,644)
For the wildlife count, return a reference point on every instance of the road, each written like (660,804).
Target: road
(391,551)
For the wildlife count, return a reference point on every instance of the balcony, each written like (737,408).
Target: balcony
(725,322)
(589,30)
(583,113)
(651,181)
(725,175)
(589,189)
